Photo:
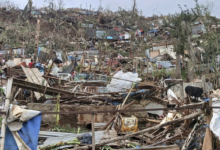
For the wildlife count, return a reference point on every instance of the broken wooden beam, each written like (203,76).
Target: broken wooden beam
(40,88)
(154,121)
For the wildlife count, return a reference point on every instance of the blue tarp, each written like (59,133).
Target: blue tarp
(29,133)
(153,31)
(136,93)
(73,58)
(39,49)
(113,103)
(109,38)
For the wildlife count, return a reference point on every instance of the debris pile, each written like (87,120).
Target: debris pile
(100,80)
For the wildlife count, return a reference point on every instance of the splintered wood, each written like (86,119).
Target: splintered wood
(34,76)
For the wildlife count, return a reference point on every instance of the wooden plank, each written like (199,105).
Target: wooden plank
(37,95)
(7,102)
(40,88)
(39,76)
(169,147)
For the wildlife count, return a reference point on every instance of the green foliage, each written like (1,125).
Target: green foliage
(78,68)
(184,74)
(132,145)
(68,129)
(1,91)
(161,73)
(106,147)
(0,122)
(64,67)
(154,66)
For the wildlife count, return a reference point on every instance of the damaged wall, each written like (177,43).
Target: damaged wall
(73,119)
(176,89)
(81,118)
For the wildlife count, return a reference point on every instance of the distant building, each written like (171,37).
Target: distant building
(101,34)
(36,13)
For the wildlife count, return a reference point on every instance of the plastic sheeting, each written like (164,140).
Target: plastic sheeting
(10,63)
(153,31)
(170,95)
(136,93)
(117,85)
(215,122)
(86,139)
(164,64)
(29,134)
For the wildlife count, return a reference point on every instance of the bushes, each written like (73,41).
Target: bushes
(161,73)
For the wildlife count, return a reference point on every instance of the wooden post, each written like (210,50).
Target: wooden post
(6,56)
(36,40)
(182,92)
(204,86)
(7,102)
(32,96)
(46,86)
(50,69)
(59,82)
(93,132)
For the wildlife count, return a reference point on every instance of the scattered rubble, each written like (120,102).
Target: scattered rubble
(106,73)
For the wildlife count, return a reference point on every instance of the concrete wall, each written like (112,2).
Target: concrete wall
(176,89)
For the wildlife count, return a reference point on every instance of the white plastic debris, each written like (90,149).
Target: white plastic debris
(215,122)
(170,95)
(118,85)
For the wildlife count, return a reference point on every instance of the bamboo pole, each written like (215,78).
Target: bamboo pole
(7,102)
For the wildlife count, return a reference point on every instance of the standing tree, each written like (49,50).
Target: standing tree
(181,26)
(174,22)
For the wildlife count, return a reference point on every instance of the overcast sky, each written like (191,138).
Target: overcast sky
(147,6)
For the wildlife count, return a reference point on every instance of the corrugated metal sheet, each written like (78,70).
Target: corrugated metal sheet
(43,57)
(68,69)
(89,53)
(100,136)
(164,64)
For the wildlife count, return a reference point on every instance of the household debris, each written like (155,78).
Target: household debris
(101,80)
